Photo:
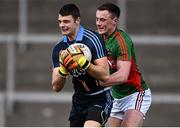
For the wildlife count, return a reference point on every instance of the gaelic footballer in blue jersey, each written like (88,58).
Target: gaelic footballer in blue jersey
(91,103)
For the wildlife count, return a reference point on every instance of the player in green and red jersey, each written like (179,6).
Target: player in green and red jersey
(132,96)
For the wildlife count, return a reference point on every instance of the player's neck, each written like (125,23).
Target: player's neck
(73,35)
(105,37)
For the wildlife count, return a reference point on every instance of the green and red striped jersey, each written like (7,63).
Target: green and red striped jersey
(119,44)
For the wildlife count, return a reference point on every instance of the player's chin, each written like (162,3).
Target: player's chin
(64,32)
(101,31)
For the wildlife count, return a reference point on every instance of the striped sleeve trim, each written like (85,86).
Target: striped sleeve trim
(96,42)
(123,46)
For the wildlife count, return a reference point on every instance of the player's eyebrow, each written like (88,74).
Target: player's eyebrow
(65,21)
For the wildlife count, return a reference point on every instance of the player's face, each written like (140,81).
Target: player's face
(67,25)
(104,22)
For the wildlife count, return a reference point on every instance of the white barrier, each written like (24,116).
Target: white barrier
(65,97)
(2,110)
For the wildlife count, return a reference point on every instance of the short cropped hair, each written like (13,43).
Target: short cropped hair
(70,9)
(112,8)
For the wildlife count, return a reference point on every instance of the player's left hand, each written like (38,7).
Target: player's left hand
(78,56)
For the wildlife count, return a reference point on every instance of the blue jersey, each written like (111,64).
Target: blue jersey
(82,81)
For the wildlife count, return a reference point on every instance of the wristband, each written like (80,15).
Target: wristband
(83,62)
(63,72)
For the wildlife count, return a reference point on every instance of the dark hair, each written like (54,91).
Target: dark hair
(70,9)
(112,8)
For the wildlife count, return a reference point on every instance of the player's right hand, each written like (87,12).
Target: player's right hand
(66,59)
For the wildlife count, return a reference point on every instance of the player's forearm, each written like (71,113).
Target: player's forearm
(99,72)
(57,81)
(121,76)
(116,79)
(57,85)
(112,81)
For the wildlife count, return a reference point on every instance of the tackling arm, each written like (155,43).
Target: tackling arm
(100,69)
(121,75)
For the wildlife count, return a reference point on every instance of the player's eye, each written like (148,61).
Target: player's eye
(59,21)
(102,19)
(66,21)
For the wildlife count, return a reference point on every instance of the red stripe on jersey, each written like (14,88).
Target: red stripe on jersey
(123,45)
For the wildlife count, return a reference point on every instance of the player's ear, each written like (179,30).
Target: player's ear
(78,20)
(115,19)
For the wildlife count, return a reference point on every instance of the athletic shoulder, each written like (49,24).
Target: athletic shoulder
(96,43)
(58,43)
(91,33)
(125,35)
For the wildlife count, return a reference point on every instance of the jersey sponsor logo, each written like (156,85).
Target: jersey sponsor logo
(83,83)
(111,60)
(112,63)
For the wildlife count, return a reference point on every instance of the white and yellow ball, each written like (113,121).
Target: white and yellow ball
(85,49)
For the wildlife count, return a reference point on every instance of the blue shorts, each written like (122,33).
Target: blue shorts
(96,107)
